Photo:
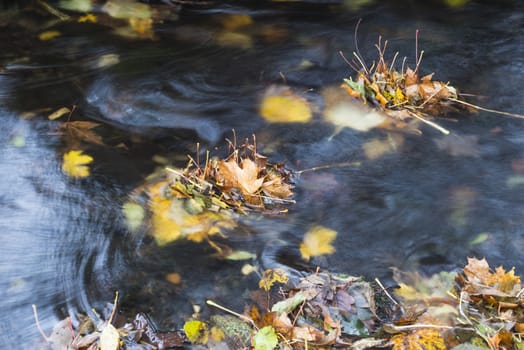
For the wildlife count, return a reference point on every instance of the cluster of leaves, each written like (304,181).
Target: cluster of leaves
(203,200)
(475,309)
(492,303)
(402,95)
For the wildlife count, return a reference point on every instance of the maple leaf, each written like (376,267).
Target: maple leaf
(317,241)
(75,164)
(77,131)
(243,176)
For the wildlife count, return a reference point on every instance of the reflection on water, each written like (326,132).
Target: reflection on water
(420,205)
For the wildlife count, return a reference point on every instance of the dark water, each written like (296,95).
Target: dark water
(65,246)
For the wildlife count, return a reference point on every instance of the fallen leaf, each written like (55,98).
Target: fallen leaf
(427,339)
(89,17)
(289,304)
(244,176)
(109,338)
(234,39)
(58,113)
(272,276)
(134,215)
(281,105)
(77,131)
(376,148)
(75,164)
(197,332)
(351,115)
(48,35)
(235,21)
(174,278)
(265,339)
(318,241)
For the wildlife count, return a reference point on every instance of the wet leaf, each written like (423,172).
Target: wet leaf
(350,115)
(75,164)
(281,105)
(480,238)
(376,148)
(48,35)
(58,113)
(317,241)
(217,334)
(265,339)
(76,131)
(174,278)
(241,255)
(272,276)
(134,215)
(124,9)
(76,5)
(423,339)
(289,304)
(244,176)
(197,332)
(235,21)
(87,18)
(109,338)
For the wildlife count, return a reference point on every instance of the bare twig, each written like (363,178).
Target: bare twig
(486,109)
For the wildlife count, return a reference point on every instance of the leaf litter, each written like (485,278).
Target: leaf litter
(404,96)
(475,308)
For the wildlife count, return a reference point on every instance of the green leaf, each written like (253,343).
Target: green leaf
(265,339)
(134,214)
(288,305)
(357,86)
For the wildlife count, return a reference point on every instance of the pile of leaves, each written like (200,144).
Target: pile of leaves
(201,200)
(476,308)
(401,95)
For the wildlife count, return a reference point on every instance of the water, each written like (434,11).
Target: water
(65,245)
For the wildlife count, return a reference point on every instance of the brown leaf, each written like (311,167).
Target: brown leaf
(243,176)
(77,131)
(411,77)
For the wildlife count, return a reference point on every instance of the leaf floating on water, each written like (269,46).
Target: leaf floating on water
(77,131)
(318,241)
(75,164)
(265,339)
(109,338)
(87,18)
(281,105)
(134,215)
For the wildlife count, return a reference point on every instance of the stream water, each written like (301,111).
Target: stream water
(65,245)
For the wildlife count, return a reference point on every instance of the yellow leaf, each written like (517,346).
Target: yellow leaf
(109,338)
(134,215)
(48,35)
(423,339)
(58,113)
(318,241)
(196,331)
(217,334)
(75,164)
(87,18)
(287,108)
(272,276)
(234,39)
(235,21)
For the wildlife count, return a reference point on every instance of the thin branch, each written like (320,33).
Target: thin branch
(515,115)
(435,125)
(329,166)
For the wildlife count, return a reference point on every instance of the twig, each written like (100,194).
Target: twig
(386,292)
(486,109)
(329,166)
(115,302)
(357,54)
(35,313)
(436,126)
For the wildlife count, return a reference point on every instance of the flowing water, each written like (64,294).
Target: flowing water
(65,245)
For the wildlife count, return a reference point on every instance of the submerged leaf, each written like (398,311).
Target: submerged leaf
(284,106)
(75,164)
(318,241)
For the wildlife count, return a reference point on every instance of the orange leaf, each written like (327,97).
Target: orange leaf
(427,339)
